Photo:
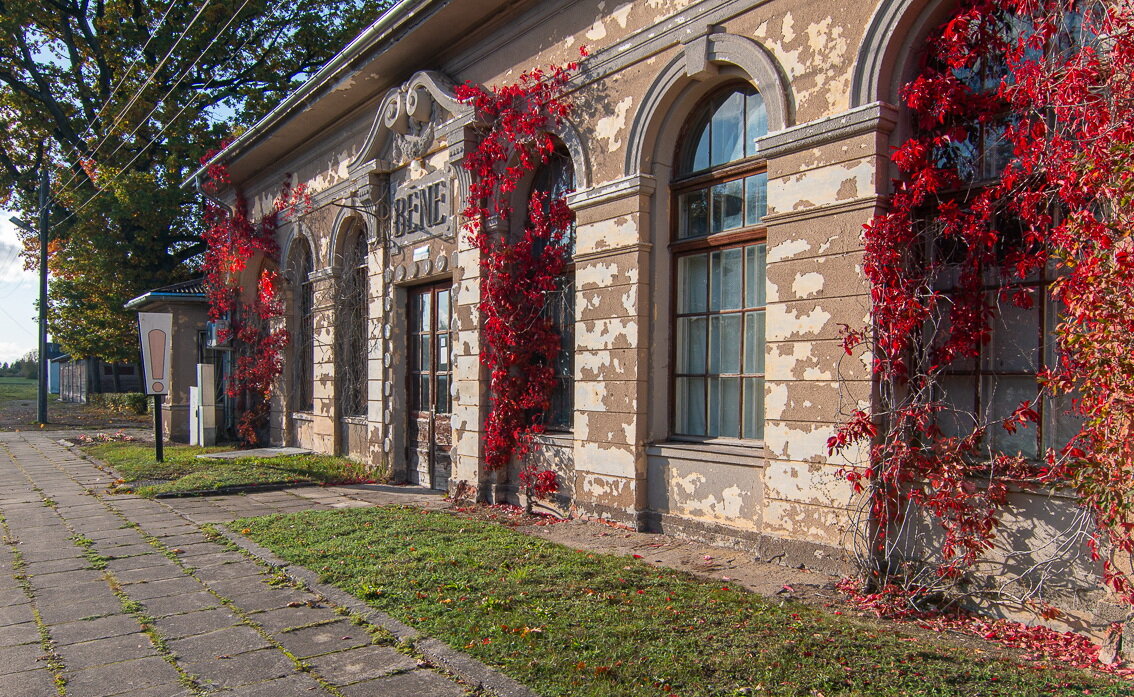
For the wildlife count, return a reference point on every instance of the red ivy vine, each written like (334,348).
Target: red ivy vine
(1020,164)
(233,238)
(520,342)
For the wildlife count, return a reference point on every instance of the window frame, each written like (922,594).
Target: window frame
(739,238)
(355,308)
(303,370)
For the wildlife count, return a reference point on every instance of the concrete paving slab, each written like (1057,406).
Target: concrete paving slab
(161,589)
(415,684)
(291,686)
(110,650)
(325,638)
(16,634)
(364,663)
(178,604)
(229,641)
(199,622)
(32,683)
(242,669)
(276,621)
(122,677)
(86,630)
(16,659)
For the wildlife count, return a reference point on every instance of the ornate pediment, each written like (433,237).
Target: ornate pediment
(408,121)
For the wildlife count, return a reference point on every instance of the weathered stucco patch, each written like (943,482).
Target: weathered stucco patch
(608,128)
(806,483)
(622,13)
(787,249)
(823,186)
(784,323)
(606,234)
(806,285)
(606,334)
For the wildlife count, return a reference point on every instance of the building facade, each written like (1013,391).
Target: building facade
(723,157)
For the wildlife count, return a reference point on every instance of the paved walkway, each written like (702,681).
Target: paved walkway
(118,595)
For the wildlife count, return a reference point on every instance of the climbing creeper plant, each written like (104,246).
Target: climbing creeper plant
(1020,166)
(520,341)
(255,331)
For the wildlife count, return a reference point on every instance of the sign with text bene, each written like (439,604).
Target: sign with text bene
(421,207)
(156,333)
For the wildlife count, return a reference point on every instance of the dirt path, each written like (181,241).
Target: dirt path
(20,415)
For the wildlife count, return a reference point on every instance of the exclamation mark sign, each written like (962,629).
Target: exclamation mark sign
(156,337)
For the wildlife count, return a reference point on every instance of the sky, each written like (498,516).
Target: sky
(18,292)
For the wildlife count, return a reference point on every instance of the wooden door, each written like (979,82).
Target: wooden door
(430,378)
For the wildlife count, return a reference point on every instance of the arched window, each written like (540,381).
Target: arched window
(556,177)
(303,336)
(351,325)
(720,189)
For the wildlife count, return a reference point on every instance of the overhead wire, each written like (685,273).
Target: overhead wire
(117,118)
(170,122)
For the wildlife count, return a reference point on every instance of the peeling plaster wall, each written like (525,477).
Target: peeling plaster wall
(617,460)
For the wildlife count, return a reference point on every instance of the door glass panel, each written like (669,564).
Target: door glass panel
(423,392)
(443,310)
(421,319)
(442,405)
(443,351)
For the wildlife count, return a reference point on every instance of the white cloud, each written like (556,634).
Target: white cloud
(18,292)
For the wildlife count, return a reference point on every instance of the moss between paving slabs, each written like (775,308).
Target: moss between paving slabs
(187,473)
(566,622)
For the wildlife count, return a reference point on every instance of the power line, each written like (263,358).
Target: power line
(171,121)
(142,88)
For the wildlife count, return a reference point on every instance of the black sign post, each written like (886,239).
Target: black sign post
(157,427)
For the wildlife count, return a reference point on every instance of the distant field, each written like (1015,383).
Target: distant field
(14,389)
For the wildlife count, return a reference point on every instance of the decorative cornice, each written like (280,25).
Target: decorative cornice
(633,185)
(612,251)
(878,117)
(865,203)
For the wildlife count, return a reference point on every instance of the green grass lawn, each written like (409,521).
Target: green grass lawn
(566,622)
(13,389)
(135,462)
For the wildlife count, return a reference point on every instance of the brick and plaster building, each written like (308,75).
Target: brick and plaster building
(724,156)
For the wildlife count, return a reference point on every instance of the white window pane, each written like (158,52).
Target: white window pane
(698,158)
(754,342)
(443,311)
(693,283)
(755,275)
(728,206)
(1002,396)
(729,275)
(692,347)
(713,427)
(694,214)
(958,392)
(1014,343)
(729,407)
(756,198)
(724,344)
(757,115)
(1061,422)
(754,408)
(690,403)
(728,130)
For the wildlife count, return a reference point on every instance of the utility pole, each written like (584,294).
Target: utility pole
(44,233)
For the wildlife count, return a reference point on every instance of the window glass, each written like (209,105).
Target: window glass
(719,345)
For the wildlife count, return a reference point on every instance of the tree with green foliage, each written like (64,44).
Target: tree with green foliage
(119,101)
